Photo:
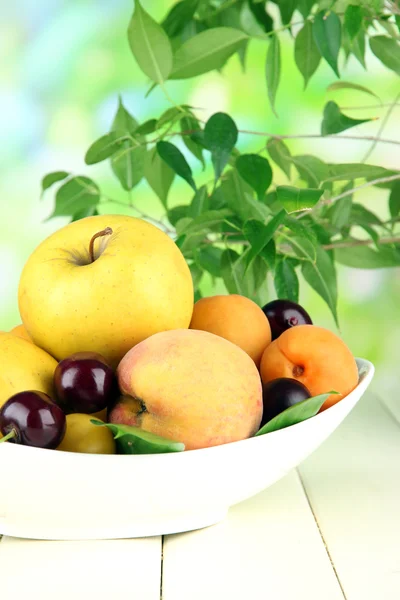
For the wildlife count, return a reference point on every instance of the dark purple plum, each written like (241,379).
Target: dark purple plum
(84,383)
(31,418)
(280,394)
(283,314)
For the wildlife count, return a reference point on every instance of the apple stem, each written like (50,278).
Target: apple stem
(106,231)
(9,436)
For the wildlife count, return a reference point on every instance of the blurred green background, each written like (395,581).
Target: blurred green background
(64,64)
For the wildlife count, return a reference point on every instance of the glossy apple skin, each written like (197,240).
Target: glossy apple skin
(280,394)
(84,383)
(37,420)
(284,314)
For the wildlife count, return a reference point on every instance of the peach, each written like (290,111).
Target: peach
(314,356)
(189,386)
(235,318)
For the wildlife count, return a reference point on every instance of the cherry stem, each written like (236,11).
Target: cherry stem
(106,231)
(9,436)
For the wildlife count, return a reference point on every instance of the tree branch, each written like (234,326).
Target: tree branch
(353,243)
(381,128)
(364,185)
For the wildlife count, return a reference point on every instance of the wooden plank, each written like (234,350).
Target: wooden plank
(353,483)
(267,548)
(100,570)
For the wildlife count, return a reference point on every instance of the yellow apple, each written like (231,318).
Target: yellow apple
(104,284)
(24,366)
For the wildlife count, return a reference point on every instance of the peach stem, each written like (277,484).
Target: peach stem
(106,231)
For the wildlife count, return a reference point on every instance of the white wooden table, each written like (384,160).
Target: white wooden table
(330,530)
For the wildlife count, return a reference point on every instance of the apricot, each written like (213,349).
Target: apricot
(21,332)
(189,386)
(316,357)
(235,318)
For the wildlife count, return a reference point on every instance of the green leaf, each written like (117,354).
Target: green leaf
(287,8)
(256,171)
(306,53)
(327,31)
(311,169)
(209,259)
(353,18)
(273,70)
(176,161)
(200,203)
(134,440)
(394,200)
(178,17)
(260,13)
(305,6)
(206,51)
(233,273)
(207,221)
(340,213)
(128,165)
(249,22)
(91,211)
(150,45)
(286,281)
(364,257)
(349,171)
(52,178)
(301,228)
(147,127)
(321,276)
(362,216)
(172,115)
(268,254)
(335,121)
(358,47)
(104,147)
(280,154)
(237,195)
(397,19)
(259,234)
(197,274)
(158,174)
(178,213)
(124,122)
(343,85)
(192,124)
(220,136)
(295,199)
(79,193)
(295,414)
(387,50)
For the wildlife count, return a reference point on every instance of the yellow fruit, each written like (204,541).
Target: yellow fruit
(24,366)
(139,284)
(21,332)
(84,437)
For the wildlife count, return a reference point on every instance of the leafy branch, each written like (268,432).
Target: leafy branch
(239,223)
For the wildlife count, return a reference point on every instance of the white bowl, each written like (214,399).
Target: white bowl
(65,496)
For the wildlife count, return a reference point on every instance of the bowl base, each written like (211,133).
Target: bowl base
(165,526)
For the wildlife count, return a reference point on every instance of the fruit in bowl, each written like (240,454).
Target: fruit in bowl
(106,284)
(235,318)
(24,366)
(316,357)
(191,386)
(84,383)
